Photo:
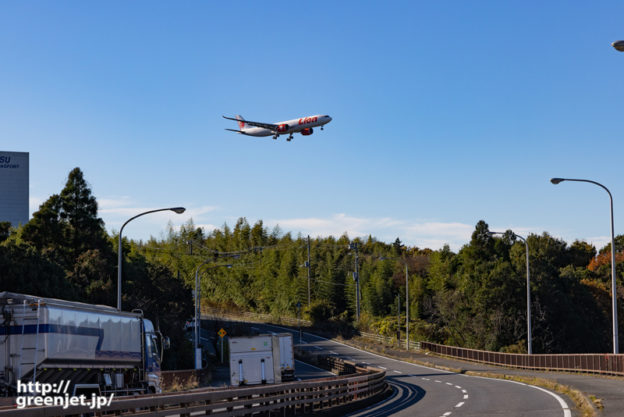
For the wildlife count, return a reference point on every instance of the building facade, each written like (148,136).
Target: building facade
(14,172)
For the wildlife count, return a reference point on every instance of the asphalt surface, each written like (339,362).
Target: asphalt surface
(424,391)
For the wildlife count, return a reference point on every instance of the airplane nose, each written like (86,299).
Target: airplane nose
(329,119)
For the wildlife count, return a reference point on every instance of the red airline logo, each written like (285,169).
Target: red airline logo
(305,120)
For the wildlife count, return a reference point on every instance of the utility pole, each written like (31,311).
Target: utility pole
(406,308)
(356,278)
(308,265)
(399,320)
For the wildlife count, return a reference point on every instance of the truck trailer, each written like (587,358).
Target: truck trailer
(262,359)
(95,347)
(286,355)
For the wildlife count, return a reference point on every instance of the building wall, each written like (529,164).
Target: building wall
(14,181)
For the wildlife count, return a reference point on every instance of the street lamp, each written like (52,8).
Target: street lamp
(528,288)
(198,312)
(613,282)
(178,210)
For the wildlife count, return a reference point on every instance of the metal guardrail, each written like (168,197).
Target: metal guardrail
(292,398)
(604,363)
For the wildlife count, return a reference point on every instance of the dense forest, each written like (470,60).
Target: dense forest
(473,298)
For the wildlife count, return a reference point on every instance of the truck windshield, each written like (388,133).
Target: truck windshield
(151,347)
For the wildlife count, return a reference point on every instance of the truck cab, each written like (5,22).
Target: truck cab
(152,356)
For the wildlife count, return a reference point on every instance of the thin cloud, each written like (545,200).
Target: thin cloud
(433,235)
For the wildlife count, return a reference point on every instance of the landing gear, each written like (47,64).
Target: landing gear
(275,136)
(321,127)
(289,137)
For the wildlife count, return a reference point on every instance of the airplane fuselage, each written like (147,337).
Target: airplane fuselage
(289,126)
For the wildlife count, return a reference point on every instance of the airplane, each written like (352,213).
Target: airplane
(303,125)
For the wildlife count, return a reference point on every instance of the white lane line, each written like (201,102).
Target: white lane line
(562,403)
(448,413)
(464,391)
(459,404)
(426,379)
(466,397)
(458,387)
(332,352)
(439,382)
(397,372)
(448,383)
(382,367)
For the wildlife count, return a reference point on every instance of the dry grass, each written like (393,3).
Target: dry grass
(184,384)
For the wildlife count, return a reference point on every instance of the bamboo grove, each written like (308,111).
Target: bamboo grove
(474,298)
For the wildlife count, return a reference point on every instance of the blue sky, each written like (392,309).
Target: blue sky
(444,113)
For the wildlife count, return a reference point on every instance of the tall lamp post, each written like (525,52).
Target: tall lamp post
(528,290)
(198,312)
(178,210)
(616,348)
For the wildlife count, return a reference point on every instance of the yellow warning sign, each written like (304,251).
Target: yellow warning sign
(222,332)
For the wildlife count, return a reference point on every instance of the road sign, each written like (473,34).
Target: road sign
(222,332)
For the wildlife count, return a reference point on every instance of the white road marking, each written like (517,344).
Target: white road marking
(255,328)
(448,383)
(448,413)
(564,405)
(466,397)
(332,352)
(398,372)
(426,379)
(381,367)
(459,405)
(464,391)
(439,382)
(458,387)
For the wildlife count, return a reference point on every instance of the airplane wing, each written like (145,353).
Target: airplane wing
(269,126)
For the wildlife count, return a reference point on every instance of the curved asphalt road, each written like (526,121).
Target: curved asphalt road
(422,391)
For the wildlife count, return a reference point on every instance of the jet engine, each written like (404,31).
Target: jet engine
(307,131)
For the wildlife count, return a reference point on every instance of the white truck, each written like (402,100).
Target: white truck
(95,347)
(262,359)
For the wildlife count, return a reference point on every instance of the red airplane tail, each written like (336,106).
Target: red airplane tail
(241,122)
